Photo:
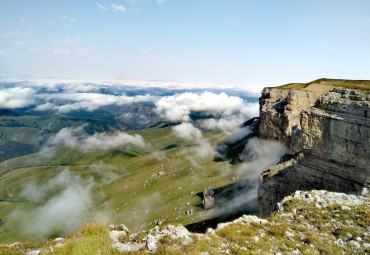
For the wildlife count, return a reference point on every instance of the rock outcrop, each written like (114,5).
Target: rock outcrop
(328,142)
(208,199)
(124,242)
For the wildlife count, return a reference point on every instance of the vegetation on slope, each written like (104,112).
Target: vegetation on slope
(324,85)
(136,196)
(306,224)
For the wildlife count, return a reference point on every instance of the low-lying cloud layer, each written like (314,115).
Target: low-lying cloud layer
(62,212)
(77,136)
(258,155)
(188,132)
(178,107)
(88,101)
(62,204)
(11,98)
(222,111)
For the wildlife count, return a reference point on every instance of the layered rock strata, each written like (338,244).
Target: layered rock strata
(327,137)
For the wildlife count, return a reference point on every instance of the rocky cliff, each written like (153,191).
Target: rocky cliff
(328,140)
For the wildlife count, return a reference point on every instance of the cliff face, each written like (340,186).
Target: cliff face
(327,136)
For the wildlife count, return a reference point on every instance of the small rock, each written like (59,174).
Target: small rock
(340,242)
(359,239)
(296,252)
(211,231)
(151,243)
(34,252)
(349,236)
(14,244)
(355,244)
(189,212)
(115,235)
(289,234)
(366,245)
(125,247)
(188,203)
(208,202)
(157,222)
(59,245)
(256,239)
(209,192)
(345,208)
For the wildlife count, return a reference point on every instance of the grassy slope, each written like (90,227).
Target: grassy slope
(324,85)
(300,227)
(135,198)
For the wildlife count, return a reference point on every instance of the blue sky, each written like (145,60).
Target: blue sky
(223,41)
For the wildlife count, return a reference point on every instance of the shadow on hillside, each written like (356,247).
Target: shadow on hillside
(231,202)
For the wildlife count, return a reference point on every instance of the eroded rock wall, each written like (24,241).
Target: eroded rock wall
(328,137)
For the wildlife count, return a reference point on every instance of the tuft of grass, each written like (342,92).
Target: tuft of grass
(91,239)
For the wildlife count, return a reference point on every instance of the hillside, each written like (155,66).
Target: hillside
(309,146)
(324,85)
(315,222)
(138,187)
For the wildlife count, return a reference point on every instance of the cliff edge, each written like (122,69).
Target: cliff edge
(326,130)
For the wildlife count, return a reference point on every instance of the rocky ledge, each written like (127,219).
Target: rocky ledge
(306,222)
(328,142)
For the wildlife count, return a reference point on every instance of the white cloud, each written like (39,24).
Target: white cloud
(179,106)
(2,53)
(19,43)
(104,141)
(260,154)
(229,111)
(73,21)
(62,51)
(21,21)
(161,1)
(68,40)
(187,131)
(244,90)
(66,136)
(12,34)
(90,101)
(16,97)
(118,7)
(81,51)
(73,50)
(64,211)
(135,1)
(239,132)
(190,133)
(102,7)
(64,17)
(228,123)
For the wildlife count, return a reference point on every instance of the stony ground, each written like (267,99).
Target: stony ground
(309,222)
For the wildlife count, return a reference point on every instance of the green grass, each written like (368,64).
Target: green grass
(325,85)
(311,231)
(135,198)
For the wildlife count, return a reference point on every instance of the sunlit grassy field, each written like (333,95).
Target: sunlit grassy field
(323,86)
(137,195)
